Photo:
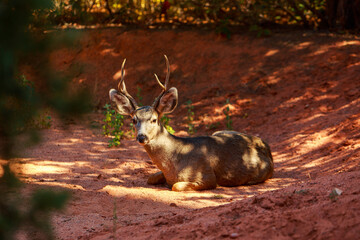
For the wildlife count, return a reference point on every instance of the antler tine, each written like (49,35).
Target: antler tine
(161,85)
(164,87)
(122,86)
(167,75)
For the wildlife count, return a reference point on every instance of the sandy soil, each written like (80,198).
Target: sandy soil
(300,91)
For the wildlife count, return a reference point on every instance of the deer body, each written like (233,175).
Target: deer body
(226,158)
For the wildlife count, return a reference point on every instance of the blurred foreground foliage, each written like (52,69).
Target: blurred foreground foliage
(222,14)
(22,215)
(21,104)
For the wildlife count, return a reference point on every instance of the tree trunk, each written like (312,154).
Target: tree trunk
(344,12)
(107,6)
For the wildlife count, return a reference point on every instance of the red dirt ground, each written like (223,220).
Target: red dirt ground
(299,91)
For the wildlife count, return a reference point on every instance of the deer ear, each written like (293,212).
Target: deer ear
(168,101)
(122,102)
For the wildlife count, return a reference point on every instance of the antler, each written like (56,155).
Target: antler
(122,87)
(164,87)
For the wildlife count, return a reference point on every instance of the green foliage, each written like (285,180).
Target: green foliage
(302,191)
(19,102)
(22,104)
(190,117)
(259,31)
(132,130)
(113,123)
(45,200)
(226,111)
(165,121)
(138,95)
(108,119)
(223,28)
(42,118)
(218,196)
(9,179)
(32,216)
(223,15)
(213,126)
(334,194)
(43,121)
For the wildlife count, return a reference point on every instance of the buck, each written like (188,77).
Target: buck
(226,158)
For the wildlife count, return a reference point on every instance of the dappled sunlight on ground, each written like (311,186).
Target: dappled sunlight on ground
(298,91)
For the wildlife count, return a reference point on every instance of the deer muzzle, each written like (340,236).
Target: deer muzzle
(142,139)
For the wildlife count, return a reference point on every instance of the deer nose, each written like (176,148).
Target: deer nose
(141,138)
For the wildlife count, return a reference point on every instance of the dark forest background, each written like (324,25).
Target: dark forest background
(315,14)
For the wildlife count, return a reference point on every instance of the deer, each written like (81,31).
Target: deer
(226,158)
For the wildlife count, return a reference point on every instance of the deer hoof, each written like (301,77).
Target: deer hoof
(183,186)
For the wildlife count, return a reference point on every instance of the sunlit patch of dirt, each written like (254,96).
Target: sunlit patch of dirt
(299,91)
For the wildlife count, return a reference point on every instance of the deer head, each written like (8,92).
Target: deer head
(146,119)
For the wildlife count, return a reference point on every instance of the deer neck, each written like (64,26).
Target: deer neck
(162,149)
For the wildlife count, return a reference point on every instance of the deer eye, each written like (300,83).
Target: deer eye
(154,120)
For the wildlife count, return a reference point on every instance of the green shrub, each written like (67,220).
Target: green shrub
(40,119)
(113,123)
(226,111)
(165,121)
(190,117)
(22,110)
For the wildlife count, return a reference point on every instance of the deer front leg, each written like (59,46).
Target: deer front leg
(200,178)
(156,178)
(191,186)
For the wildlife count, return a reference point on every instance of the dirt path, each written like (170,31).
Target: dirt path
(300,91)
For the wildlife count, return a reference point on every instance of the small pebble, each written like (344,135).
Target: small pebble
(234,235)
(337,191)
